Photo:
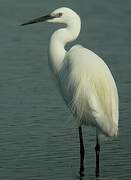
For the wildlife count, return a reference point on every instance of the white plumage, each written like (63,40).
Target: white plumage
(90,90)
(84,80)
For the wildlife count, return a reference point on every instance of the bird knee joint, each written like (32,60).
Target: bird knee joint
(97,148)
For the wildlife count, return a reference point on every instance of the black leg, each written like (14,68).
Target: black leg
(82,152)
(97,149)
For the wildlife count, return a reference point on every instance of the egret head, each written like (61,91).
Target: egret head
(61,15)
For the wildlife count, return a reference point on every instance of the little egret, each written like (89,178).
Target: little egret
(84,80)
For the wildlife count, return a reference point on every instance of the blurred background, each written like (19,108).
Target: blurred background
(38,137)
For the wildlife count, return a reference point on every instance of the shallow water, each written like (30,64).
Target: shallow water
(38,138)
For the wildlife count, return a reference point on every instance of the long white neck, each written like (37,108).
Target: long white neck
(58,41)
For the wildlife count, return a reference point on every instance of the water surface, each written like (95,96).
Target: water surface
(38,137)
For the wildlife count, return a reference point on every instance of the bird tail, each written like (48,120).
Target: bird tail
(86,107)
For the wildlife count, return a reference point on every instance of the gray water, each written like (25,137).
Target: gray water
(38,137)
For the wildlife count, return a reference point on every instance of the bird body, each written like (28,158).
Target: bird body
(89,90)
(84,80)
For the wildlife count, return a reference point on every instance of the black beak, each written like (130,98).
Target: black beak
(39,19)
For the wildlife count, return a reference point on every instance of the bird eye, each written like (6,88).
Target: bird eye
(59,14)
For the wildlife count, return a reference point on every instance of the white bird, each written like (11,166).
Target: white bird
(84,80)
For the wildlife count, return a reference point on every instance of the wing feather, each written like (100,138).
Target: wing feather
(89,89)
